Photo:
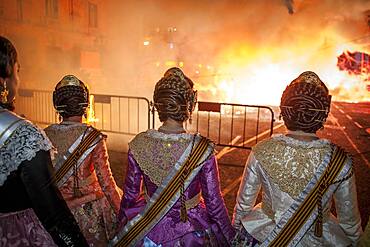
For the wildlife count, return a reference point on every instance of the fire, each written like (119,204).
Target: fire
(90,111)
(355,63)
(249,75)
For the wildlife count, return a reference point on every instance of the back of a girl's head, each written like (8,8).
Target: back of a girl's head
(71,97)
(174,96)
(305,103)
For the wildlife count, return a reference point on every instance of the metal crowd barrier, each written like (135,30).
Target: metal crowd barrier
(230,125)
(114,114)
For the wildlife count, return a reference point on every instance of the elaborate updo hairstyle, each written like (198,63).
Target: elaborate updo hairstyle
(8,58)
(174,96)
(305,103)
(71,97)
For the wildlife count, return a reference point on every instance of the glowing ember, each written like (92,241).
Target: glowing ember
(90,111)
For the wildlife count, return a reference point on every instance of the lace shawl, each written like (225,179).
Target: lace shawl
(63,136)
(156,153)
(291,163)
(22,145)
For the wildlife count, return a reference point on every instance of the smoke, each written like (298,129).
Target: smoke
(209,39)
(227,35)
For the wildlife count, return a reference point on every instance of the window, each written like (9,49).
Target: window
(93,15)
(71,9)
(51,8)
(20,10)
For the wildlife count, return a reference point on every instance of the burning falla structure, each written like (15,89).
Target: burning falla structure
(355,63)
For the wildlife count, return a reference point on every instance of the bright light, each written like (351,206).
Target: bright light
(181,64)
(170,63)
(90,111)
(146,42)
(248,75)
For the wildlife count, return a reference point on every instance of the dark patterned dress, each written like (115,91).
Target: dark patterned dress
(32,211)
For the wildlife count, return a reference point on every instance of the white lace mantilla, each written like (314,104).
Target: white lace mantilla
(22,145)
(291,163)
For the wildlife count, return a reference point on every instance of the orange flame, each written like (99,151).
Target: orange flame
(249,75)
(90,111)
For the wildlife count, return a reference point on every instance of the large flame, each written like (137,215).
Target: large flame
(251,75)
(90,118)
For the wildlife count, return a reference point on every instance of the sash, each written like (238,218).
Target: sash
(76,154)
(167,194)
(303,213)
(9,122)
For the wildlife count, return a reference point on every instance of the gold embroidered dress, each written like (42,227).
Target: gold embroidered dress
(282,167)
(96,205)
(152,156)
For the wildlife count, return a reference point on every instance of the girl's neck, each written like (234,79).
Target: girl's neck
(302,136)
(171,126)
(76,119)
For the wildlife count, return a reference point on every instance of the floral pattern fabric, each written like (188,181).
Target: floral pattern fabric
(97,205)
(23,229)
(208,223)
(286,167)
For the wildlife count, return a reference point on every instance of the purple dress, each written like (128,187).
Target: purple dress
(152,154)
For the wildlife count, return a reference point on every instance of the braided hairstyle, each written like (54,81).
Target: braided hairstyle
(71,97)
(8,57)
(305,103)
(174,96)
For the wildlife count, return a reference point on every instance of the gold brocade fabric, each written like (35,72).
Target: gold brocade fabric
(61,140)
(97,207)
(290,166)
(157,153)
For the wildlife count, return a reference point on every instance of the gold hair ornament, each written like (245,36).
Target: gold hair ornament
(4,94)
(70,80)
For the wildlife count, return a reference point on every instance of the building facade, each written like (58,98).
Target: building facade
(56,37)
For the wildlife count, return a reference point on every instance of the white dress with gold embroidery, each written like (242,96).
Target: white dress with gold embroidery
(282,167)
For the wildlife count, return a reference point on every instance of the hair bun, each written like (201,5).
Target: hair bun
(305,103)
(309,77)
(71,97)
(174,71)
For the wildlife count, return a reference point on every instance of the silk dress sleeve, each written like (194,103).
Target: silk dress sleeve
(211,192)
(105,177)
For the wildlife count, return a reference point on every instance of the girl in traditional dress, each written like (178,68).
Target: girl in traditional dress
(32,211)
(299,175)
(170,160)
(87,185)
